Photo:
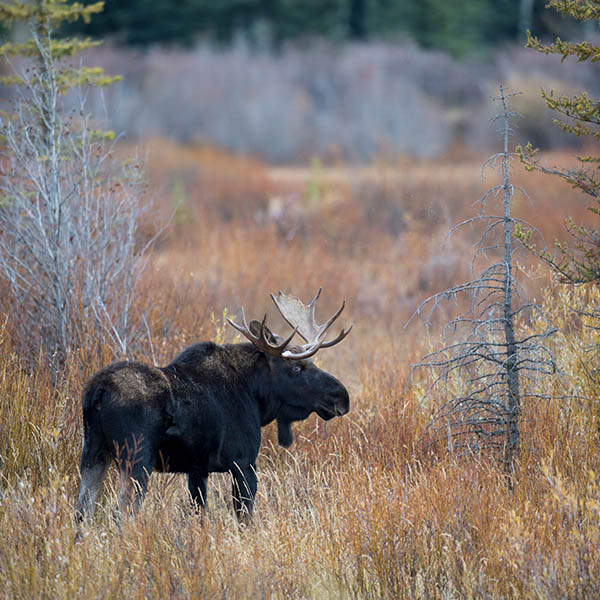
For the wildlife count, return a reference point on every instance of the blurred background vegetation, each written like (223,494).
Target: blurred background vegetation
(453,25)
(355,81)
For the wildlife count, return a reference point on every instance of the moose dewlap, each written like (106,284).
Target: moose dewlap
(203,413)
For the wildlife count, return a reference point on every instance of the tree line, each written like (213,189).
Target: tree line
(453,25)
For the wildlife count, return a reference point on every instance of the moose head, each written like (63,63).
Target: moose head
(301,387)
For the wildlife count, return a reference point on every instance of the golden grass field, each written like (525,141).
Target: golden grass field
(355,508)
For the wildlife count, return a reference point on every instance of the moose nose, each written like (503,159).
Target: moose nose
(342,402)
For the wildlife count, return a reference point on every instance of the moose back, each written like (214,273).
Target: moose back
(204,411)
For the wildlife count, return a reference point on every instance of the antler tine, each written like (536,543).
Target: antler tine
(343,333)
(286,342)
(307,353)
(325,326)
(273,349)
(311,350)
(261,331)
(243,328)
(314,300)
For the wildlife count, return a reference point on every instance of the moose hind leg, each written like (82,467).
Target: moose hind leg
(92,476)
(244,491)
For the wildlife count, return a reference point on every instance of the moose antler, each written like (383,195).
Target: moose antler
(260,340)
(301,318)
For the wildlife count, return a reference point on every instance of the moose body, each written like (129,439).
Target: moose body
(201,414)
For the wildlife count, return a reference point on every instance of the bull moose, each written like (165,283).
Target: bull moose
(204,411)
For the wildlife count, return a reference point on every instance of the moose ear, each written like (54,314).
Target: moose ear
(273,339)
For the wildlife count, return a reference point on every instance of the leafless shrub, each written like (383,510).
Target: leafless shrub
(486,364)
(356,103)
(68,221)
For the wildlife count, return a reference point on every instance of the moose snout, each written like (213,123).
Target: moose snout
(341,402)
(335,403)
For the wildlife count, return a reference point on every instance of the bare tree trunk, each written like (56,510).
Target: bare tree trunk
(512,372)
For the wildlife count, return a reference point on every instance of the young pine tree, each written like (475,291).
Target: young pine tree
(69,254)
(579,261)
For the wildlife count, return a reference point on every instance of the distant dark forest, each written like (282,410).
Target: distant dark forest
(457,26)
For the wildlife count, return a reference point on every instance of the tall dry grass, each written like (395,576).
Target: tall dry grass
(356,508)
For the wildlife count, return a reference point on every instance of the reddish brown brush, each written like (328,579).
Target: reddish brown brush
(365,511)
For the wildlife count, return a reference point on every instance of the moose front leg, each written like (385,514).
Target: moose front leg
(135,460)
(197,486)
(244,490)
(134,485)
(92,476)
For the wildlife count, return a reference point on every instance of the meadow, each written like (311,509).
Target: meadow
(358,507)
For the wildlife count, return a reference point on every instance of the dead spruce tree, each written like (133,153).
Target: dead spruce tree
(70,253)
(485,366)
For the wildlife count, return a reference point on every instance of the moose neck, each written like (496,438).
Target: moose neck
(260,383)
